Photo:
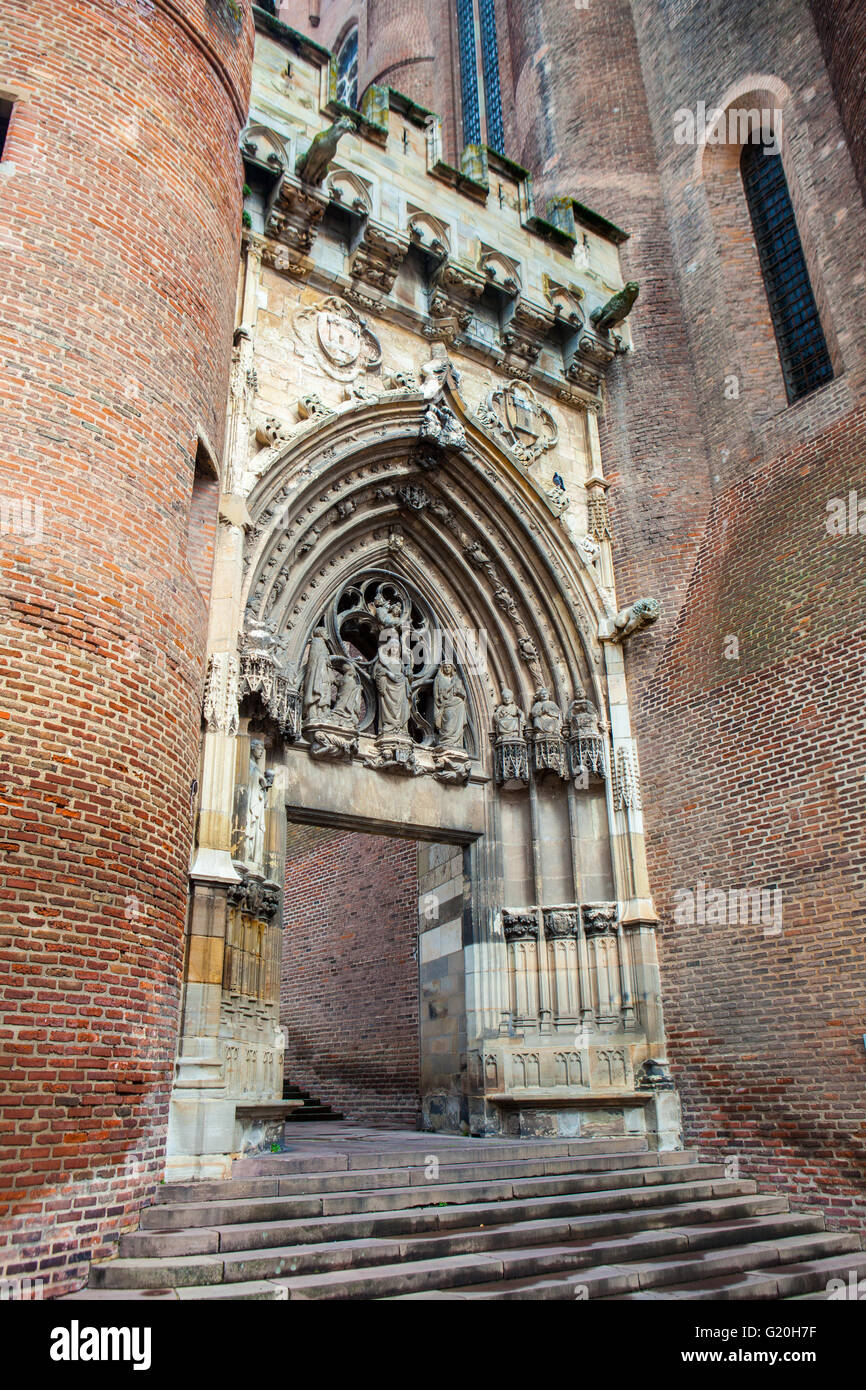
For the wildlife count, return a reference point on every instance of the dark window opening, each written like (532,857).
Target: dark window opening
(203,518)
(5,117)
(800,338)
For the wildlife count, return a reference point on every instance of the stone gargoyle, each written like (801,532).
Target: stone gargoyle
(629,620)
(617,308)
(313,166)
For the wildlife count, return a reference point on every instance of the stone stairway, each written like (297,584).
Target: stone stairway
(312,1110)
(361,1214)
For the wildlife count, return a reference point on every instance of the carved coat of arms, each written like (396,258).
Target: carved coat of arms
(336,338)
(515,413)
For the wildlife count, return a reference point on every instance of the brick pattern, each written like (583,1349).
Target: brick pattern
(766,1029)
(120,213)
(349,992)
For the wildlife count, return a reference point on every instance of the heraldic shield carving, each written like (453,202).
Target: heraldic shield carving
(337,339)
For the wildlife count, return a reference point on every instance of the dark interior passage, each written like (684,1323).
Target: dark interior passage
(349,988)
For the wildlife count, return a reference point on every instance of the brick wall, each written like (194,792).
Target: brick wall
(349,994)
(119,221)
(754,777)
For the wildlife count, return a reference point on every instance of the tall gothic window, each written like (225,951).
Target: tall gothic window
(482,102)
(799,336)
(347,69)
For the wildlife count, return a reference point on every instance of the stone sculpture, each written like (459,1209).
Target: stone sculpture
(545,716)
(259,785)
(637,616)
(319,678)
(392,686)
(617,308)
(449,705)
(313,166)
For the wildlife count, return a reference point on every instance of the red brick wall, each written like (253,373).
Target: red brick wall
(120,221)
(841,26)
(349,996)
(754,777)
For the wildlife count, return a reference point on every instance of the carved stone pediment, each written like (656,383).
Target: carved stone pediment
(335,336)
(500,270)
(428,233)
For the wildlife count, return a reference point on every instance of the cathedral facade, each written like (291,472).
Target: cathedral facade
(433,533)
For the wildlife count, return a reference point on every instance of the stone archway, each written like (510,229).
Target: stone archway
(411,640)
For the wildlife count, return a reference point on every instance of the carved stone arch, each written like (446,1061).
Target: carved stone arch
(262,146)
(430,233)
(383,435)
(350,191)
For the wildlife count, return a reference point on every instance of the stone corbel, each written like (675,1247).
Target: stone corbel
(523,336)
(378,256)
(292,225)
(454,291)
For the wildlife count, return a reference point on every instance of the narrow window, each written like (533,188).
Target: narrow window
(490,68)
(5,117)
(347,70)
(799,336)
(482,102)
(203,511)
(468,73)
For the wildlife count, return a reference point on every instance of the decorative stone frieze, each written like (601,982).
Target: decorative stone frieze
(256,897)
(220,701)
(626,785)
(520,926)
(599,919)
(561,923)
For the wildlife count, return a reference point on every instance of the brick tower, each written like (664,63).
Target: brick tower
(120,224)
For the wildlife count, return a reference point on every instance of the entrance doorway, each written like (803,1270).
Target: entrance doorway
(371,993)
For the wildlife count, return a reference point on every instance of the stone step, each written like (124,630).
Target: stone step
(357,1156)
(204,1241)
(499,1275)
(766,1269)
(390,1176)
(175,1217)
(418,1220)
(805,1279)
(593,1242)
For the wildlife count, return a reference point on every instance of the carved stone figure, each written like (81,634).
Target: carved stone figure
(545,716)
(259,785)
(449,706)
(508,718)
(617,308)
(583,715)
(319,678)
(347,707)
(637,616)
(313,166)
(392,686)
